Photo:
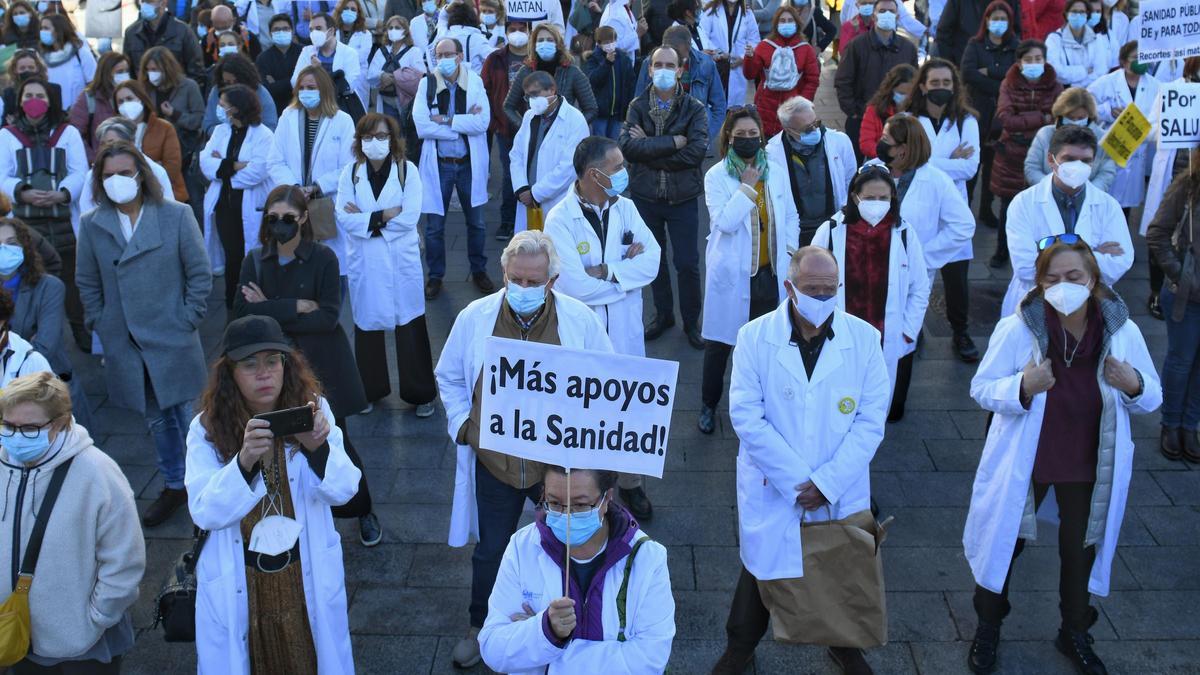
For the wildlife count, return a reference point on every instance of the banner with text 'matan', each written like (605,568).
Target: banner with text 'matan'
(575,408)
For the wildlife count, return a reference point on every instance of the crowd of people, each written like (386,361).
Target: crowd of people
(304,155)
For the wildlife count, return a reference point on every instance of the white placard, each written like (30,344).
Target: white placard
(1178,122)
(575,408)
(1170,29)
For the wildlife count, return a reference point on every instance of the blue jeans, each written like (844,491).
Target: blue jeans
(1181,367)
(169,427)
(454,176)
(607,127)
(508,201)
(500,507)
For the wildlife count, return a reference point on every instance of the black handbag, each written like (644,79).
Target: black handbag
(176,602)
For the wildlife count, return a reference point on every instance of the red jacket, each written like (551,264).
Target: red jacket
(872,130)
(1020,111)
(767,100)
(850,30)
(495,82)
(1040,18)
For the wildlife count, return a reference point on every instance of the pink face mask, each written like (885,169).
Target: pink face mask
(35,107)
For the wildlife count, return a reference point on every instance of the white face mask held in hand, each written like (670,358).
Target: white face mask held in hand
(1067,297)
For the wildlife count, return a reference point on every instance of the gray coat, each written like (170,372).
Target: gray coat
(146,300)
(39,317)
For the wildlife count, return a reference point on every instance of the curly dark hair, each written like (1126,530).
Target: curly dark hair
(241,68)
(245,101)
(34,268)
(956,109)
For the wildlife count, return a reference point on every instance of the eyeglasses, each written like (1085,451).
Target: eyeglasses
(377,137)
(254,365)
(287,218)
(1066,238)
(815,126)
(27,430)
(554,507)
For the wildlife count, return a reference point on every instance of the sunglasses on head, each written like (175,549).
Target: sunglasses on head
(1067,238)
(875,168)
(287,218)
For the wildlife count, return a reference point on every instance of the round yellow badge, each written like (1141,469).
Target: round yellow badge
(583,248)
(846,406)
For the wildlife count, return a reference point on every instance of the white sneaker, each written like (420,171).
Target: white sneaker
(466,652)
(425,410)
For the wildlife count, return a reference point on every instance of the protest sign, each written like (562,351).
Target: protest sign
(1170,29)
(575,408)
(1179,116)
(534,11)
(1125,135)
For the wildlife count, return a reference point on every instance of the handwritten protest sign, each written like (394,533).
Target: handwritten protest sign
(1125,135)
(1170,29)
(1179,116)
(575,408)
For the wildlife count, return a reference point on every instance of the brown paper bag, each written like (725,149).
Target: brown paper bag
(321,216)
(840,600)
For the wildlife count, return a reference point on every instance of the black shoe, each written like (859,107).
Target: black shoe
(708,420)
(965,347)
(483,282)
(433,287)
(1170,443)
(504,232)
(989,219)
(1154,307)
(896,412)
(999,260)
(1191,446)
(369,532)
(733,662)
(658,326)
(1077,645)
(168,501)
(694,338)
(850,660)
(638,503)
(982,657)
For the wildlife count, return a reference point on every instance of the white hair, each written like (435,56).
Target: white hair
(531,242)
(792,107)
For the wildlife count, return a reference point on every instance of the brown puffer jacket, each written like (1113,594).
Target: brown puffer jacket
(1020,111)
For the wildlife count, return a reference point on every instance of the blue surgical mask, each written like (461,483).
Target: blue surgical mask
(583,525)
(26,450)
(429,7)
(1033,71)
(202,31)
(349,16)
(1094,19)
(898,98)
(149,11)
(488,19)
(281,38)
(447,65)
(546,50)
(811,137)
(619,180)
(998,28)
(1076,21)
(46,36)
(227,50)
(886,20)
(21,20)
(309,98)
(525,301)
(866,11)
(1075,123)
(222,116)
(787,29)
(11,258)
(664,79)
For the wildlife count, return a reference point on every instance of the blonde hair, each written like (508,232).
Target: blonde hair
(531,242)
(42,389)
(1072,99)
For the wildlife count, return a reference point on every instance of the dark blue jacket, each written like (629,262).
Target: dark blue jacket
(612,83)
(706,87)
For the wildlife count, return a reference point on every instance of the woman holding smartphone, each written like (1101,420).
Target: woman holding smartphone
(272,590)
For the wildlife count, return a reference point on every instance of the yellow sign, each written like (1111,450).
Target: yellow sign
(846,406)
(1126,134)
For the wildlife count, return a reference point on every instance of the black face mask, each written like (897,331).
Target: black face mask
(746,147)
(939,97)
(883,150)
(283,229)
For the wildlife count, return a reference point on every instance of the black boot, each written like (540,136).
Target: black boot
(1077,645)
(658,325)
(733,662)
(1170,443)
(169,500)
(982,657)
(1191,446)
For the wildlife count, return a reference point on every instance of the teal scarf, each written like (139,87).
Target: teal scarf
(736,165)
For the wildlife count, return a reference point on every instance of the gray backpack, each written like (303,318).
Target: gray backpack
(782,74)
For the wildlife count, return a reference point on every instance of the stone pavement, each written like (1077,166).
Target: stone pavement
(408,596)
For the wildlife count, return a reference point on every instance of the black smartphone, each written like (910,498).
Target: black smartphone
(289,422)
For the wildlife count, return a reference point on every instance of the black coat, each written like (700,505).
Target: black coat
(960,22)
(313,275)
(656,153)
(984,88)
(171,33)
(612,82)
(864,64)
(279,66)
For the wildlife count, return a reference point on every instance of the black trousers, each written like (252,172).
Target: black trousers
(954,282)
(1156,276)
(1074,507)
(414,362)
(682,222)
(233,245)
(1002,226)
(853,129)
(500,506)
(748,616)
(900,392)
(982,181)
(764,297)
(360,504)
(93,667)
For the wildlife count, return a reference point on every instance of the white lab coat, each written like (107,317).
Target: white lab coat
(1034,214)
(745,34)
(332,150)
(473,127)
(793,429)
(618,14)
(942,144)
(345,59)
(384,272)
(1002,482)
(87,200)
(702,43)
(77,167)
(73,74)
(528,575)
(254,180)
(1077,64)
(555,168)
(459,367)
(618,299)
(361,43)
(1160,180)
(839,156)
(418,26)
(218,499)
(727,256)
(1110,90)
(939,215)
(908,286)
(1118,34)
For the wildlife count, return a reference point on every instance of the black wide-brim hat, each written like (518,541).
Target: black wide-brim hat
(250,335)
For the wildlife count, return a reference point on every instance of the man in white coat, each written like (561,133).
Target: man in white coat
(1065,202)
(608,255)
(335,57)
(452,123)
(620,576)
(808,398)
(550,131)
(820,164)
(490,488)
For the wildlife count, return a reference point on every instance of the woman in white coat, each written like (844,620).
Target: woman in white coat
(235,161)
(728,45)
(545,178)
(879,257)
(1061,376)
(378,206)
(271,547)
(1112,94)
(352,30)
(1078,55)
(1113,25)
(69,61)
(395,68)
(315,165)
(753,228)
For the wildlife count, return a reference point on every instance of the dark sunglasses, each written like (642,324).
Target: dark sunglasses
(1066,238)
(287,218)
